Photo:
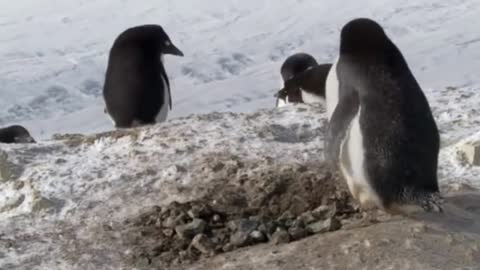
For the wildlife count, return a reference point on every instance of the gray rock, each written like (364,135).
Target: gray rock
(323,212)
(281,236)
(297,233)
(243,225)
(168,232)
(286,216)
(203,244)
(307,218)
(228,247)
(188,231)
(297,230)
(329,225)
(169,222)
(216,218)
(198,211)
(41,203)
(257,237)
(239,239)
(471,152)
(267,228)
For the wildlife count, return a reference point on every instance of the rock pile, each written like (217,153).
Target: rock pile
(280,209)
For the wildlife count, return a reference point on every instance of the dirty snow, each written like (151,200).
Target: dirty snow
(82,183)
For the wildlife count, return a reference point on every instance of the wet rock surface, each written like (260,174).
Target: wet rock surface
(278,207)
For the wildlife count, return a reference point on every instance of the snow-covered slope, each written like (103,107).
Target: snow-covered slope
(60,199)
(54,196)
(54,56)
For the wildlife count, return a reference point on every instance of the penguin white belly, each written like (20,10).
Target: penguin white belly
(331,90)
(310,98)
(162,115)
(352,166)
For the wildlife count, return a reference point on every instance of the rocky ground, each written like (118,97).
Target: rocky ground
(215,191)
(276,206)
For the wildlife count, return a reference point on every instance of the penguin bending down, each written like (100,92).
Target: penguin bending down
(137,89)
(307,86)
(382,136)
(15,134)
(293,65)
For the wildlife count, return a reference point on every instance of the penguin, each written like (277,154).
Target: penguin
(382,136)
(293,65)
(309,85)
(137,89)
(15,134)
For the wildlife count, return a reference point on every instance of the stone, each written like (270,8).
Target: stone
(329,225)
(286,219)
(471,152)
(297,232)
(228,247)
(244,225)
(168,232)
(323,212)
(169,222)
(239,239)
(197,226)
(216,218)
(198,211)
(41,203)
(307,218)
(281,236)
(203,244)
(257,237)
(4,168)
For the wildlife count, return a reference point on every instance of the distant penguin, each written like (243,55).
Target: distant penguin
(382,136)
(293,65)
(310,84)
(15,134)
(137,89)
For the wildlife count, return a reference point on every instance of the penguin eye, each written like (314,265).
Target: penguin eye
(167,43)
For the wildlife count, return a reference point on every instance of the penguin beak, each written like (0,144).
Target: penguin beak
(173,50)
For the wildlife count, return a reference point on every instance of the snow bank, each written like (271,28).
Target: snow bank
(55,195)
(79,183)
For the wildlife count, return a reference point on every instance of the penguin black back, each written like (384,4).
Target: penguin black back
(399,135)
(136,81)
(15,134)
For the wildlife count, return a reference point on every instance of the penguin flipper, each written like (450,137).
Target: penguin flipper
(342,116)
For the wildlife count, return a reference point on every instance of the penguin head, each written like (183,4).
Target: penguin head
(15,134)
(150,37)
(295,64)
(164,44)
(363,35)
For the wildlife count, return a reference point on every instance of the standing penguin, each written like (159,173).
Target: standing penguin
(382,135)
(137,89)
(15,134)
(293,65)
